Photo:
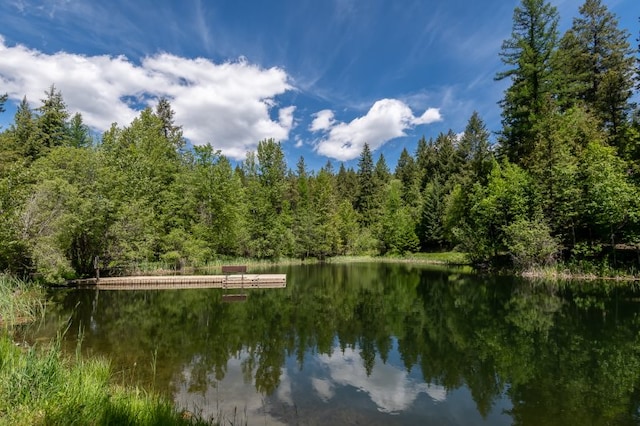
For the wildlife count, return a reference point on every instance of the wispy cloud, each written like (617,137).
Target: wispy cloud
(387,119)
(228,104)
(202,26)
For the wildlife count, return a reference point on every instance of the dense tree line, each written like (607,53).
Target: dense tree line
(562,181)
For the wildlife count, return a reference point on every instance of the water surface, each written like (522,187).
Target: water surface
(373,344)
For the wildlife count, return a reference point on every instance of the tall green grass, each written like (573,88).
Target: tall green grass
(436,258)
(42,387)
(20,302)
(210,267)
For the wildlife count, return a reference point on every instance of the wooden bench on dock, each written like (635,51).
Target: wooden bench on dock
(234,269)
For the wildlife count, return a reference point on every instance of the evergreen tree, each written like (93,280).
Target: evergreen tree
(347,184)
(507,198)
(143,167)
(348,228)
(367,195)
(561,138)
(597,66)
(269,215)
(171,132)
(638,62)
(52,121)
(474,148)
(528,54)
(447,161)
(407,173)
(425,160)
(3,100)
(405,168)
(79,133)
(430,229)
(382,173)
(303,212)
(397,228)
(325,236)
(214,201)
(24,131)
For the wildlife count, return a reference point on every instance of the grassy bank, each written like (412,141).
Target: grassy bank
(41,386)
(215,267)
(571,272)
(436,258)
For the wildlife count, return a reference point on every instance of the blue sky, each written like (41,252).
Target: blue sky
(322,76)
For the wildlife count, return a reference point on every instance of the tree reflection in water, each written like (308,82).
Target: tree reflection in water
(380,343)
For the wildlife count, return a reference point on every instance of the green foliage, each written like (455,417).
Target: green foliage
(79,133)
(20,302)
(23,132)
(528,54)
(529,242)
(367,202)
(474,150)
(430,227)
(397,233)
(508,198)
(610,199)
(268,212)
(348,227)
(218,201)
(42,387)
(408,174)
(597,67)
(325,231)
(51,124)
(555,167)
(141,196)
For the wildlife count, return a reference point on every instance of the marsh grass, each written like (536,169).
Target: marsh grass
(211,267)
(20,302)
(583,272)
(41,386)
(436,258)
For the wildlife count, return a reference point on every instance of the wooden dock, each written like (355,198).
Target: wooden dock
(170,282)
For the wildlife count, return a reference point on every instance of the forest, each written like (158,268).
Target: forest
(559,186)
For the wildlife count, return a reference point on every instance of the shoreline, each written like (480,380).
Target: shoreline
(451,259)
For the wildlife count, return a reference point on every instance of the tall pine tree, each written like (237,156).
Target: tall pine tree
(597,67)
(366,198)
(528,54)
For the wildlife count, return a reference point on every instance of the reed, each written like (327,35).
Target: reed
(41,386)
(20,301)
(435,258)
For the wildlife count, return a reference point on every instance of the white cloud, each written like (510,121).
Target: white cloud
(387,119)
(227,104)
(389,387)
(323,120)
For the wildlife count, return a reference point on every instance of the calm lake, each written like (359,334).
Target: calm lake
(372,344)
